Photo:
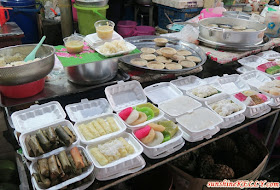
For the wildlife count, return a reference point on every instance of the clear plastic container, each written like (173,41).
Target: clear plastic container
(74,44)
(86,109)
(118,121)
(24,135)
(163,149)
(36,116)
(232,84)
(161,92)
(232,119)
(138,149)
(104,29)
(89,170)
(128,94)
(124,168)
(187,83)
(252,61)
(199,120)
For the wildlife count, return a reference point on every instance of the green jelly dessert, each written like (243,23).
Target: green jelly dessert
(273,70)
(148,111)
(151,106)
(170,127)
(166,136)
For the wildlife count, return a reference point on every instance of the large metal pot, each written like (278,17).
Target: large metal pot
(93,73)
(232,37)
(30,72)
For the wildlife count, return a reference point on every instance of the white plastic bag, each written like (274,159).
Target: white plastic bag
(189,34)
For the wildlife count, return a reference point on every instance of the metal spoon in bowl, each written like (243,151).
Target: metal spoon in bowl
(31,56)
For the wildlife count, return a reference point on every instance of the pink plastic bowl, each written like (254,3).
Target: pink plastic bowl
(144,30)
(126,28)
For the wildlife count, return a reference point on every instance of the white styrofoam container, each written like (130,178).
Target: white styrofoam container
(179,106)
(232,84)
(129,138)
(24,135)
(213,97)
(242,70)
(118,121)
(128,94)
(269,55)
(255,78)
(232,119)
(88,184)
(210,80)
(194,137)
(124,168)
(37,116)
(34,169)
(199,120)
(86,109)
(252,61)
(94,41)
(161,92)
(163,148)
(130,48)
(187,83)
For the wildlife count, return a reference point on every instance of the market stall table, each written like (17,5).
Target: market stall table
(10,34)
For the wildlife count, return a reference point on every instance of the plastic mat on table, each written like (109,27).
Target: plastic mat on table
(143,76)
(224,57)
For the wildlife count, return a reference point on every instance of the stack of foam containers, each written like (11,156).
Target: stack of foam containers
(186,85)
(129,94)
(182,106)
(256,79)
(30,120)
(86,111)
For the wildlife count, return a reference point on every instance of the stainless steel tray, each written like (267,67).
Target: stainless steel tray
(147,41)
(230,47)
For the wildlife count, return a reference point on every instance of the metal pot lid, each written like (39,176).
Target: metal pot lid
(18,3)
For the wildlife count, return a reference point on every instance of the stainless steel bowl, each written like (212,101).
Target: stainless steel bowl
(30,72)
(92,3)
(93,73)
(231,37)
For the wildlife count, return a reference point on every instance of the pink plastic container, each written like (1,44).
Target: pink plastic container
(126,28)
(74,11)
(144,31)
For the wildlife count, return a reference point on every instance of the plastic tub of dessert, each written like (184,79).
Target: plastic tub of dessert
(63,168)
(74,43)
(256,103)
(104,29)
(159,139)
(252,61)
(111,152)
(129,101)
(230,109)
(171,100)
(232,84)
(201,123)
(44,130)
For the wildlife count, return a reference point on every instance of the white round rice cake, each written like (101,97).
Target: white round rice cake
(162,59)
(147,56)
(148,50)
(158,51)
(178,58)
(187,63)
(155,65)
(194,59)
(139,62)
(184,52)
(173,66)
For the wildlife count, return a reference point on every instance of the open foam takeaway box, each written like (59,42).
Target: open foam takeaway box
(183,180)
